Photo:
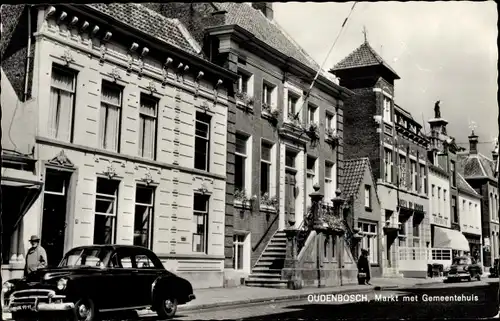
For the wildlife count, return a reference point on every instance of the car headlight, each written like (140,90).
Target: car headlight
(61,284)
(7,286)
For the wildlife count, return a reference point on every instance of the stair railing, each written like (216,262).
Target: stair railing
(304,230)
(268,242)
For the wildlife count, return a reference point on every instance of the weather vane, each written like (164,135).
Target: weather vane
(365,33)
(472,126)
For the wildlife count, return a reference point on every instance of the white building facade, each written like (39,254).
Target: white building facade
(130,138)
(470,217)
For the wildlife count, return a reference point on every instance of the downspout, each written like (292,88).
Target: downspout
(28,55)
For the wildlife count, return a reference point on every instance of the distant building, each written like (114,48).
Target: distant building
(377,128)
(127,120)
(447,241)
(470,217)
(360,188)
(482,175)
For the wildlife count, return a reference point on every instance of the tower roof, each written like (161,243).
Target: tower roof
(363,56)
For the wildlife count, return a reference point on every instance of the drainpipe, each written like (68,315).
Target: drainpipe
(28,55)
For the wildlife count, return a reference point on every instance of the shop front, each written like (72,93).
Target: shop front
(474,246)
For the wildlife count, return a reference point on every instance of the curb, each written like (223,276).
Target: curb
(291,297)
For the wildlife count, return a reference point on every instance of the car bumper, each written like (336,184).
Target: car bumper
(458,276)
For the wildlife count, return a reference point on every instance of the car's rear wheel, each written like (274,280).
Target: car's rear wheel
(166,308)
(85,310)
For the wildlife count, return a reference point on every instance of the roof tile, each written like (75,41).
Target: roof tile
(269,32)
(146,20)
(354,173)
(363,56)
(464,186)
(476,165)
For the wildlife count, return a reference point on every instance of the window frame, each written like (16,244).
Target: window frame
(268,164)
(105,104)
(329,180)
(236,244)
(370,238)
(208,123)
(246,158)
(368,197)
(389,163)
(151,210)
(292,100)
(312,110)
(74,74)
(115,205)
(143,116)
(204,215)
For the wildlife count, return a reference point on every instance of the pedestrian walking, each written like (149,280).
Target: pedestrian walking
(364,268)
(36,257)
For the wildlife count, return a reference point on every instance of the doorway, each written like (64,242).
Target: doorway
(55,200)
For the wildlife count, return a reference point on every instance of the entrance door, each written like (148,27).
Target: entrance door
(54,215)
(290,184)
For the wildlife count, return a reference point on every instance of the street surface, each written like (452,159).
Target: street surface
(482,304)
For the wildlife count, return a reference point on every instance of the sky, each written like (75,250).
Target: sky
(443,51)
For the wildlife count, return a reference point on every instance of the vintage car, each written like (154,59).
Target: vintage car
(464,267)
(94,279)
(494,269)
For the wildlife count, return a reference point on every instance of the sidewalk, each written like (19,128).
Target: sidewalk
(224,297)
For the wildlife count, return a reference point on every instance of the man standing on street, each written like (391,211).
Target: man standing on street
(364,268)
(36,257)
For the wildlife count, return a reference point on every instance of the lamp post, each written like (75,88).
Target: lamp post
(337,203)
(316,198)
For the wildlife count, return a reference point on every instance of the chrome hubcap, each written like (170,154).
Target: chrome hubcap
(83,311)
(169,305)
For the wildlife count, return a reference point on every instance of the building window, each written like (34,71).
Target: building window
(265,168)
(453,174)
(454,209)
(368,197)
(62,98)
(416,229)
(464,203)
(110,114)
(329,186)
(495,207)
(311,114)
(414,176)
(423,180)
(311,177)
(369,240)
(330,121)
(490,207)
(147,126)
(292,105)
(202,142)
(388,165)
(239,251)
(291,192)
(200,223)
(402,228)
(244,83)
(268,92)
(143,221)
(432,189)
(387,110)
(105,211)
(402,172)
(242,165)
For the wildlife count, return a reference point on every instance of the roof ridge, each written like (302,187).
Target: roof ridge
(189,38)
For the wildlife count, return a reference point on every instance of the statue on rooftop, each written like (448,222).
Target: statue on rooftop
(437,109)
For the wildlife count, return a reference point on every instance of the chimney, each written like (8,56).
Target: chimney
(265,7)
(473,143)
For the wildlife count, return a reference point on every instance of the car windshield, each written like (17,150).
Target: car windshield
(462,261)
(93,257)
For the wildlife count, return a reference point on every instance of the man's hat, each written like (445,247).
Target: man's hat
(34,238)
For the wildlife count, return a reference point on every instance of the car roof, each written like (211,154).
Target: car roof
(111,247)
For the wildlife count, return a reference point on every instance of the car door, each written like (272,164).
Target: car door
(115,287)
(127,279)
(147,272)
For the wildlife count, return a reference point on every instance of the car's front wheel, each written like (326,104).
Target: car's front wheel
(166,308)
(85,310)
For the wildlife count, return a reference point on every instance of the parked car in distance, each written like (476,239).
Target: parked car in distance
(464,267)
(94,279)
(494,269)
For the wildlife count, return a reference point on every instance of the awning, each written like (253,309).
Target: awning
(18,195)
(447,238)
